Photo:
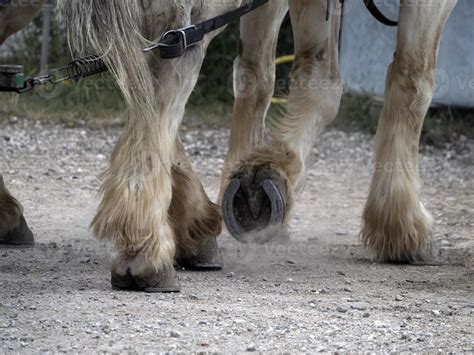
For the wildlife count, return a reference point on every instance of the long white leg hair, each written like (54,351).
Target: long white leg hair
(137,185)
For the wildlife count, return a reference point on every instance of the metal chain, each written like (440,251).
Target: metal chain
(75,70)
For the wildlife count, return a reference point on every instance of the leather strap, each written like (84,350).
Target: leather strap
(174,43)
(379,16)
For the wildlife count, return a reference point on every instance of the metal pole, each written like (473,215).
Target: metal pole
(46,43)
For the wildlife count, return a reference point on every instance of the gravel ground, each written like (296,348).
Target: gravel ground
(320,292)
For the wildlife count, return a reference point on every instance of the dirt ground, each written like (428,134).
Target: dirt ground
(320,292)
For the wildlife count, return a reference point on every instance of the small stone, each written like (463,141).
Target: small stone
(106,329)
(358,307)
(174,334)
(341,309)
(348,289)
(341,273)
(399,298)
(436,312)
(290,280)
(366,315)
(251,348)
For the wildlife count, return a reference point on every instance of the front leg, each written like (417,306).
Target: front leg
(261,186)
(396,225)
(244,202)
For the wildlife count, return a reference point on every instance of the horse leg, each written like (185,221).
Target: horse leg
(13,227)
(260,188)
(137,189)
(146,210)
(396,225)
(196,221)
(254,82)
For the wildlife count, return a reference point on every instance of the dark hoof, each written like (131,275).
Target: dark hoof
(208,259)
(165,281)
(253,209)
(21,235)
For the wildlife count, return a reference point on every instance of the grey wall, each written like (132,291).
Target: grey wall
(367,49)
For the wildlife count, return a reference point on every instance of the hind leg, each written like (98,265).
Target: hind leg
(138,186)
(145,211)
(196,221)
(396,225)
(261,186)
(13,227)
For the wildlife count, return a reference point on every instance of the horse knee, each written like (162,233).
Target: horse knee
(254,80)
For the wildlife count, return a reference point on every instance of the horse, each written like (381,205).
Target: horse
(154,209)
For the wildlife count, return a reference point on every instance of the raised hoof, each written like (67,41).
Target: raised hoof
(165,281)
(20,235)
(208,259)
(254,207)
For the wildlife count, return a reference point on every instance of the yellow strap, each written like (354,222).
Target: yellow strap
(282,60)
(285,59)
(279,100)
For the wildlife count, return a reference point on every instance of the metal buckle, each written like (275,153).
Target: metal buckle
(180,31)
(43,79)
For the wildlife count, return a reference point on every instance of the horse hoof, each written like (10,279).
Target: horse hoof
(20,235)
(165,281)
(209,258)
(254,208)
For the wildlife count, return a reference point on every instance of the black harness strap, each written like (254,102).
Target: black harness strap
(174,43)
(379,16)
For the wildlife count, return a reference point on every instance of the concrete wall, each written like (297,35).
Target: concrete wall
(367,49)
